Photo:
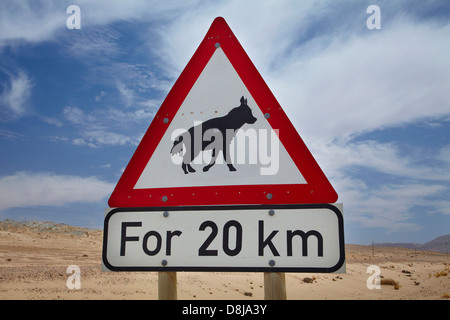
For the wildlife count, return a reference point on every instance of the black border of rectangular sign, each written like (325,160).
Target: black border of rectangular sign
(230,269)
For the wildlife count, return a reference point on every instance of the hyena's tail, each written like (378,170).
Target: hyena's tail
(177,146)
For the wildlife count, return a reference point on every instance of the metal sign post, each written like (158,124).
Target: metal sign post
(222,181)
(274,286)
(167,285)
(253,238)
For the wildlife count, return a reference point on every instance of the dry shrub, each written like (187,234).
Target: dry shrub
(309,280)
(443,273)
(390,282)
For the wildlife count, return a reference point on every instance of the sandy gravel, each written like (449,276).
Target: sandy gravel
(34,258)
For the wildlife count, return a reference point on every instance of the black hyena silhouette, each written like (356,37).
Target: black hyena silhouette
(214,134)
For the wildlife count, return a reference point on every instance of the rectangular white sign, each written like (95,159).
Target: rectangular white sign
(277,238)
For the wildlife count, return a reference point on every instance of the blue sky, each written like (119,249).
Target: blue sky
(373,106)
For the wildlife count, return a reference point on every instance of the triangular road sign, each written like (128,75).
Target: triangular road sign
(221,138)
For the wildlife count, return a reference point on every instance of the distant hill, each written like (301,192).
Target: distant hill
(437,245)
(47,226)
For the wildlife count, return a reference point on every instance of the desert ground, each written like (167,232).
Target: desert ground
(35,256)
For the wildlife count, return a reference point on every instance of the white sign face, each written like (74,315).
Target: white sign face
(253,146)
(277,238)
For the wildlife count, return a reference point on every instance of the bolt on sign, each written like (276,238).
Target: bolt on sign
(219,155)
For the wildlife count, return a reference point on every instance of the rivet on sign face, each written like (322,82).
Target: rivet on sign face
(271,263)
(269,196)
(217,45)
(271,212)
(166,120)
(267,115)
(166,214)
(164,262)
(164,198)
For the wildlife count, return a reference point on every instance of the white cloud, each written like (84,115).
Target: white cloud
(93,43)
(368,82)
(53,121)
(14,99)
(325,67)
(380,186)
(10,135)
(46,20)
(142,115)
(94,129)
(441,207)
(21,20)
(77,116)
(444,155)
(100,96)
(24,189)
(126,94)
(385,158)
(390,206)
(265,29)
(97,138)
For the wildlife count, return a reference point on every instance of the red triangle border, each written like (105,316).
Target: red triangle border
(317,190)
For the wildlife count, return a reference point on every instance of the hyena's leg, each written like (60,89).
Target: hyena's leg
(188,155)
(226,155)
(187,168)
(212,162)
